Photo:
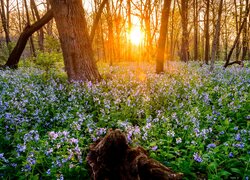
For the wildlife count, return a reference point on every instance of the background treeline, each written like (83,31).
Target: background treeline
(191,28)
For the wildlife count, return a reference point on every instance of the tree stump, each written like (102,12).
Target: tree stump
(111,158)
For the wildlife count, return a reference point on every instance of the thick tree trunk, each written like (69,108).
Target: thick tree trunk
(111,158)
(216,36)
(163,36)
(22,41)
(75,41)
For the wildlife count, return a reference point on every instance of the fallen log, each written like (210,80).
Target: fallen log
(111,158)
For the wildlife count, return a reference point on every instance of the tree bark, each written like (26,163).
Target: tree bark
(163,36)
(15,55)
(216,36)
(75,41)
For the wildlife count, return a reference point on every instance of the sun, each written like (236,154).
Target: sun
(136,36)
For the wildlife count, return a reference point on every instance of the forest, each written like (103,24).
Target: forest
(172,75)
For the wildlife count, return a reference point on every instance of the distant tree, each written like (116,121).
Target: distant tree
(216,36)
(4,12)
(16,53)
(163,36)
(207,36)
(185,34)
(243,24)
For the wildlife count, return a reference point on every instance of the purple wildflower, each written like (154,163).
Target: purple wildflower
(154,148)
(197,157)
(237,137)
(212,145)
(231,155)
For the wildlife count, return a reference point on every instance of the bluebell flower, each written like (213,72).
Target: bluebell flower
(236,128)
(154,148)
(197,157)
(237,137)
(48,172)
(231,155)
(212,145)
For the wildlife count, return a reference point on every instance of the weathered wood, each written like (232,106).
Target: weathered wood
(111,158)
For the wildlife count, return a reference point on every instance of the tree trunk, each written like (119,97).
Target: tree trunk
(15,55)
(207,33)
(110,36)
(5,20)
(216,36)
(185,34)
(41,32)
(75,41)
(243,24)
(245,37)
(129,29)
(32,46)
(196,14)
(163,36)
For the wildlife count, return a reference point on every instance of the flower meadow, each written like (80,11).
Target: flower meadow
(189,119)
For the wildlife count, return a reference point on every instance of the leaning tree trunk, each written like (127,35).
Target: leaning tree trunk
(227,58)
(15,55)
(75,41)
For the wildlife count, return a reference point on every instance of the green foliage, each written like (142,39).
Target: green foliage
(48,61)
(189,119)
(5,52)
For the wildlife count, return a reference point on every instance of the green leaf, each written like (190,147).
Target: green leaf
(213,165)
(235,170)
(224,173)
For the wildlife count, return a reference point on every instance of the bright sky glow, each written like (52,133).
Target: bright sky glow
(136,36)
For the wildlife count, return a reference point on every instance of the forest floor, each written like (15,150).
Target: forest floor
(189,119)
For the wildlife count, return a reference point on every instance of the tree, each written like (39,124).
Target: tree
(5,20)
(207,37)
(16,53)
(185,34)
(163,36)
(216,36)
(243,24)
(75,41)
